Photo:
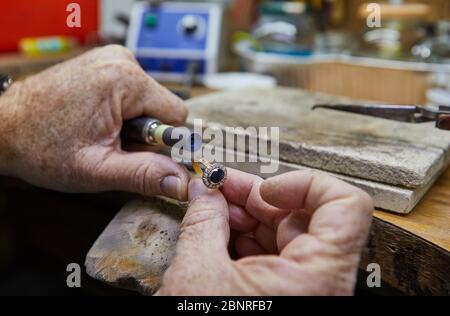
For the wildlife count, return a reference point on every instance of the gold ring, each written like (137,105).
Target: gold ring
(213,174)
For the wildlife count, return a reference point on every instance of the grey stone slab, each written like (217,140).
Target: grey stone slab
(385,196)
(383,151)
(137,246)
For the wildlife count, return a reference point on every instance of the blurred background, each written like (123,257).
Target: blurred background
(318,45)
(194,47)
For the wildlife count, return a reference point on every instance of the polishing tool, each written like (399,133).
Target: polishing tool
(147,130)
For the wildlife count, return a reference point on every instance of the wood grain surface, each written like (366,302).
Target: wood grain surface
(430,219)
(409,264)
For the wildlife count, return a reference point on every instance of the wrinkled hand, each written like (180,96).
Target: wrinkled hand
(60,128)
(300,233)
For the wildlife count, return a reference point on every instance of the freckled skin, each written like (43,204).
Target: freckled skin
(300,233)
(308,233)
(60,128)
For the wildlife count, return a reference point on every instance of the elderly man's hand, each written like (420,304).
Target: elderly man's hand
(60,129)
(300,233)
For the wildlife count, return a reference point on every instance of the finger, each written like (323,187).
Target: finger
(145,173)
(140,94)
(110,52)
(240,220)
(170,109)
(238,186)
(340,213)
(102,54)
(149,98)
(287,190)
(293,225)
(266,237)
(204,230)
(201,255)
(247,246)
(242,189)
(234,234)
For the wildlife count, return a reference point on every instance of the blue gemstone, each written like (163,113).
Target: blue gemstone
(217,176)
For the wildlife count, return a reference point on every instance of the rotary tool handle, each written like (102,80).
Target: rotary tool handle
(147,130)
(135,130)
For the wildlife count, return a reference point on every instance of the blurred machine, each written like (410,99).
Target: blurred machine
(175,41)
(114,18)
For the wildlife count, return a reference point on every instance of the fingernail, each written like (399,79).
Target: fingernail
(196,188)
(171,186)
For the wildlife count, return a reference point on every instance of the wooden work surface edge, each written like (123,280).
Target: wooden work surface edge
(430,219)
(408,263)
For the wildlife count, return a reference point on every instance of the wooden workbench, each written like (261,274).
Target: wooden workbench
(413,250)
(427,228)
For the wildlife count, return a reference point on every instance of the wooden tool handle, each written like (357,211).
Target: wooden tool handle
(443,122)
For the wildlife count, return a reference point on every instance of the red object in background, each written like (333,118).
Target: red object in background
(25,18)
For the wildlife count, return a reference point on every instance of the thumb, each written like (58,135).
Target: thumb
(144,173)
(201,265)
(205,230)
